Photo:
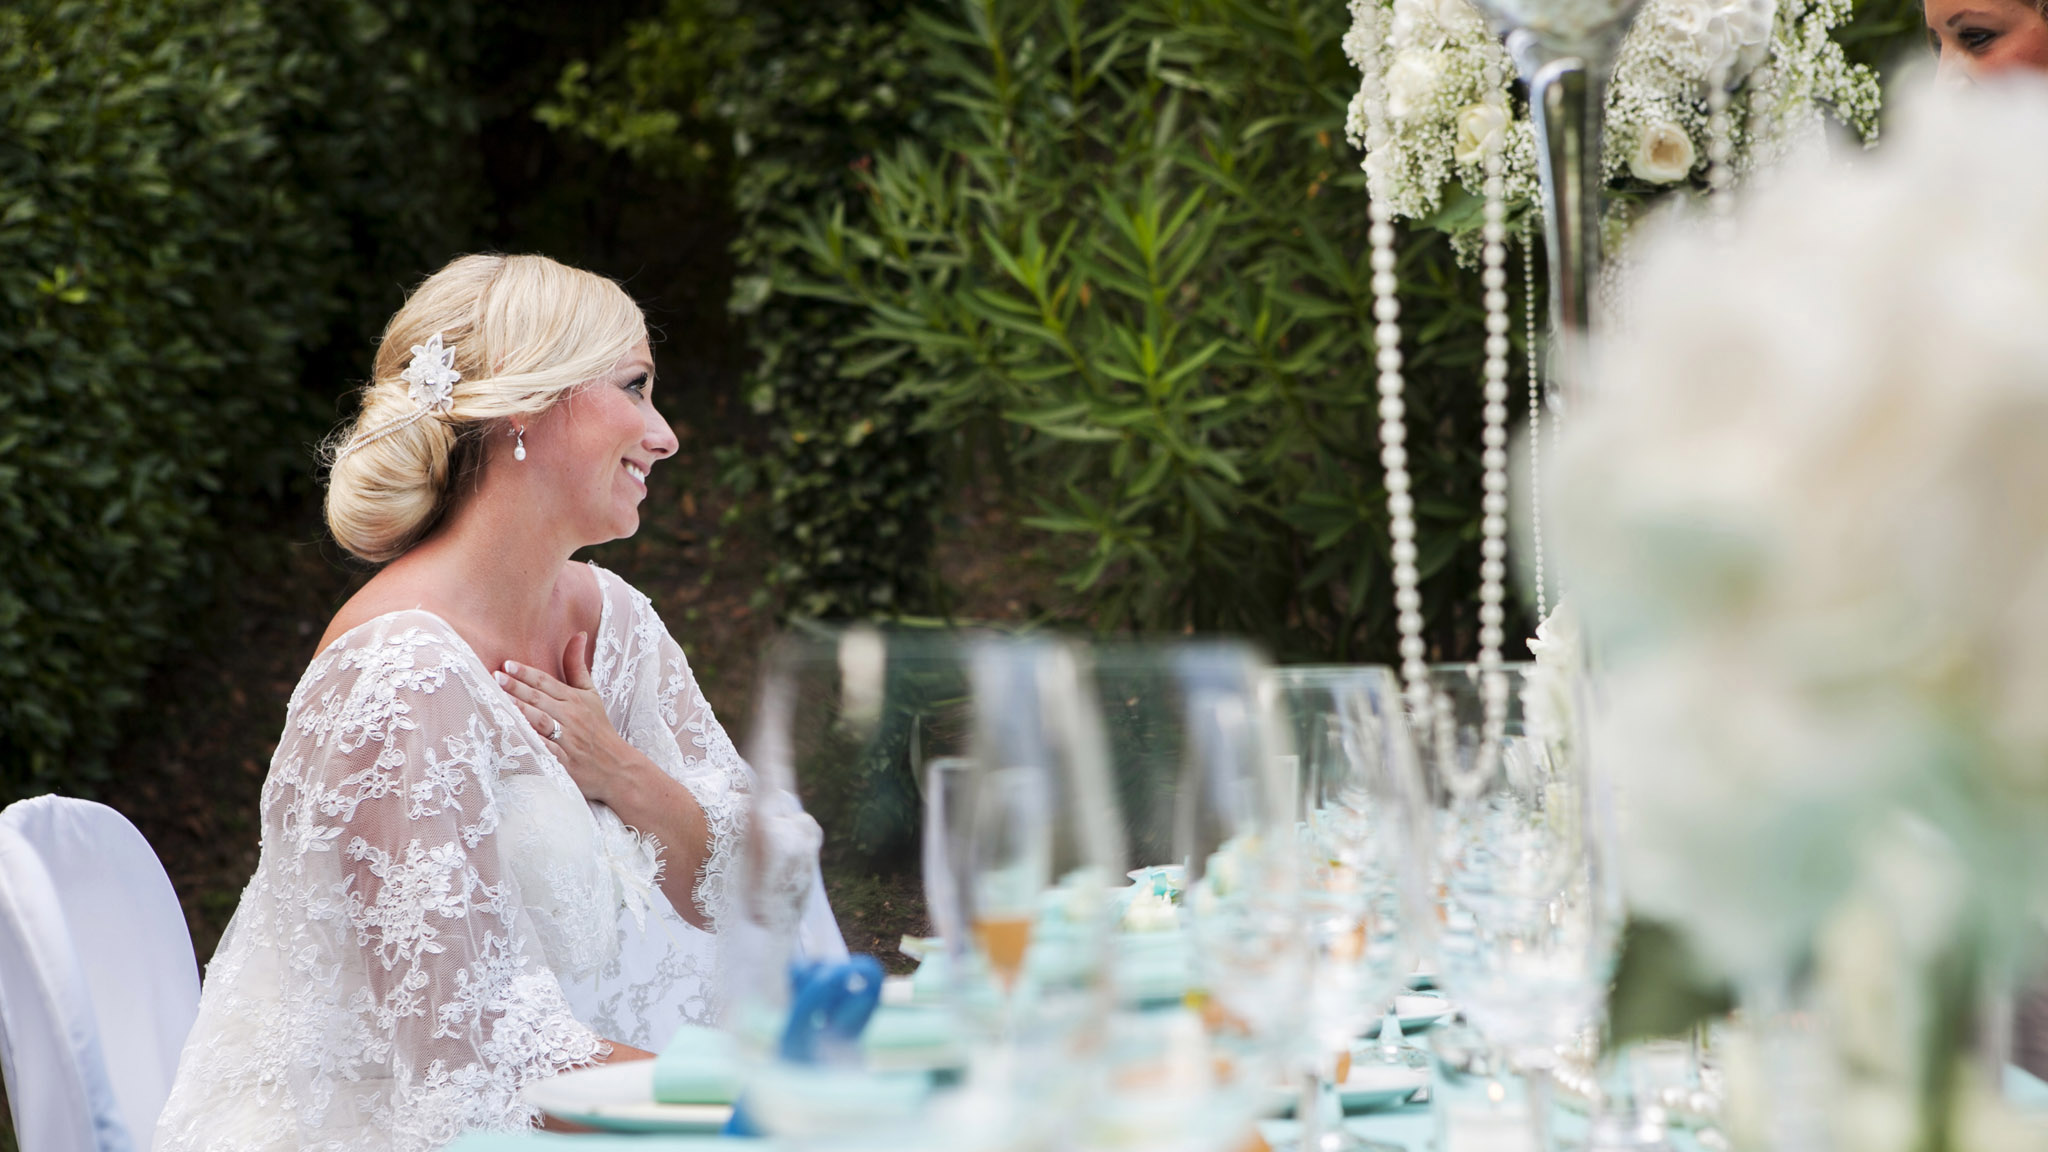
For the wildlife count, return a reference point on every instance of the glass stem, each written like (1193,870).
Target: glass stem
(1537,1080)
(1309,1112)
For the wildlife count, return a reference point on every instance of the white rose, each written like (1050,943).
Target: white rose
(1408,14)
(1663,154)
(1480,127)
(1680,25)
(1731,36)
(1751,22)
(1411,82)
(1452,14)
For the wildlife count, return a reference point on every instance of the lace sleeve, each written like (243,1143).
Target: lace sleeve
(382,985)
(659,706)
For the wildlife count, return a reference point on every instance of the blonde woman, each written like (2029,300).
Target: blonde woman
(497,828)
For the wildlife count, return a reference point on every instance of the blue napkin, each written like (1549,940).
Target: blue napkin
(829,1004)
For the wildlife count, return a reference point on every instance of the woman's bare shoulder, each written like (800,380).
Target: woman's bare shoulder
(387,592)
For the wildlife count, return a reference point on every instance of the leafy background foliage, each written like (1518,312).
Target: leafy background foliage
(781,103)
(184,184)
(1132,257)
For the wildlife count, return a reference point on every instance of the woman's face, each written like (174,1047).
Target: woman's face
(595,449)
(1979,38)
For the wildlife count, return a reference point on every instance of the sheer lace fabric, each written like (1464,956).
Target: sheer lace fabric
(438,917)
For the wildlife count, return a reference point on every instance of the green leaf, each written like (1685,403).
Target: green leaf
(1657,990)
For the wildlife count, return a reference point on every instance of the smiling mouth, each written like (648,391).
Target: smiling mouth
(636,472)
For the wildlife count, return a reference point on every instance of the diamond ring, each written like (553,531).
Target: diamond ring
(556,735)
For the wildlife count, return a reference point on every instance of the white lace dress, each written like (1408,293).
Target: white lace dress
(438,917)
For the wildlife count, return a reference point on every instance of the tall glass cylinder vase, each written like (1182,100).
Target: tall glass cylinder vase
(1565,51)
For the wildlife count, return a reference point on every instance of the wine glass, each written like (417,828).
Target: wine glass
(1527,926)
(1209,817)
(996,734)
(1357,776)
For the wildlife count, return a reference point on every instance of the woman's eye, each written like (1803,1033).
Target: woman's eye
(1975,39)
(638,386)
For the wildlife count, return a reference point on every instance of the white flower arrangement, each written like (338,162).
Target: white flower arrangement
(1808,543)
(1437,59)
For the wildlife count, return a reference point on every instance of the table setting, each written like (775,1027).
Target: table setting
(1373,934)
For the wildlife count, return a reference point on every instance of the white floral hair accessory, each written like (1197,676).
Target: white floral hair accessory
(432,375)
(430,381)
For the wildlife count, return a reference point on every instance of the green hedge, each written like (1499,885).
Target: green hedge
(193,194)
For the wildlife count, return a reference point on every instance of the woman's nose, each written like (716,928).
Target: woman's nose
(1950,70)
(660,439)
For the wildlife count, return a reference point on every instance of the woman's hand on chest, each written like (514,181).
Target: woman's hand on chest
(570,717)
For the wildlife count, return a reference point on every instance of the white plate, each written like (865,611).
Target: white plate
(620,1098)
(1374,1085)
(1415,1011)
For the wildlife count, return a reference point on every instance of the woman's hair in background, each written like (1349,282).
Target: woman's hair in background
(526,332)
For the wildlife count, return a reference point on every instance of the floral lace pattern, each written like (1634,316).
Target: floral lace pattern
(438,917)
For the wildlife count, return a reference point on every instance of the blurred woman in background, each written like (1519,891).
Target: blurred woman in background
(1979,38)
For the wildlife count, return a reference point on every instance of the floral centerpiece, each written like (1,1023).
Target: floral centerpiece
(1435,61)
(1803,519)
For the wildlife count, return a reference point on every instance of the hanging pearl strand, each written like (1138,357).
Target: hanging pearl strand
(1386,311)
(1535,414)
(1493,546)
(1720,146)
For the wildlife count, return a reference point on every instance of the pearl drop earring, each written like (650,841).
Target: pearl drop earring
(519,449)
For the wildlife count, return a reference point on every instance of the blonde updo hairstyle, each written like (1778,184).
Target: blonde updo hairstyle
(526,330)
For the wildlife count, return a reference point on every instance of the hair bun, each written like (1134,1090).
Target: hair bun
(484,339)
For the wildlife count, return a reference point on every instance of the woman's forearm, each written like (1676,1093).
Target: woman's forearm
(659,806)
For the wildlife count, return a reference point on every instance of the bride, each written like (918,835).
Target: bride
(497,829)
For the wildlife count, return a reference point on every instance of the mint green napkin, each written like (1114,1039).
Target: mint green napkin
(699,1066)
(1152,967)
(905,1037)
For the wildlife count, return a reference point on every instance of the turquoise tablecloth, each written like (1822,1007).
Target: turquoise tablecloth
(1408,1127)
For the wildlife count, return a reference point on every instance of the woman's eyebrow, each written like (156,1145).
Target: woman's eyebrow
(1951,21)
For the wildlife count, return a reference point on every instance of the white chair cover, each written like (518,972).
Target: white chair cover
(98,986)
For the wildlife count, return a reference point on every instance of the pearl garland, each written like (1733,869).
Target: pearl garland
(1394,452)
(1535,413)
(1386,310)
(1720,146)
(1493,524)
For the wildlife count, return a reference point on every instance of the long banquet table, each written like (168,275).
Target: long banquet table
(1407,1126)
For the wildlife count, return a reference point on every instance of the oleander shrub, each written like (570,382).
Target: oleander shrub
(187,207)
(1131,251)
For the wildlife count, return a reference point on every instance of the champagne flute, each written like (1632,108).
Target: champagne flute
(1203,790)
(991,731)
(1010,845)
(1357,779)
(1527,930)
